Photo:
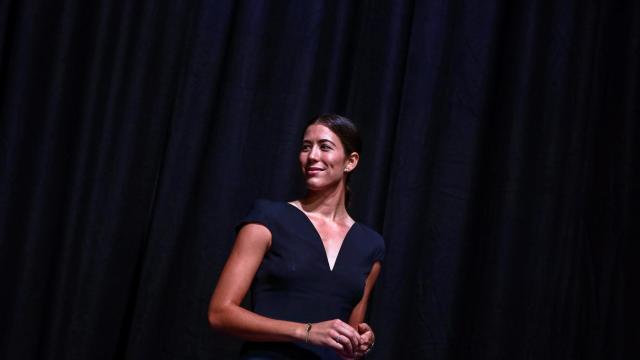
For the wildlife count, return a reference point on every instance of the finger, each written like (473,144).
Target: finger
(344,340)
(336,345)
(367,338)
(340,342)
(353,340)
(350,333)
(364,328)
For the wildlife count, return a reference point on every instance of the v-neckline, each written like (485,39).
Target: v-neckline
(317,234)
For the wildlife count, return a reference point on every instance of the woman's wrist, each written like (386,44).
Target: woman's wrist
(302,332)
(307,331)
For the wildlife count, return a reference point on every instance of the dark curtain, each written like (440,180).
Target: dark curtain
(500,164)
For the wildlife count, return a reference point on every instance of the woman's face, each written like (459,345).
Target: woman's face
(322,158)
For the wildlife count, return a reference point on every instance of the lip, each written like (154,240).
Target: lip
(314,170)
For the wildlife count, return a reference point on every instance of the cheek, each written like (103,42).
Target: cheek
(336,161)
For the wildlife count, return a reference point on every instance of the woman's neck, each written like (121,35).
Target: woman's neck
(328,203)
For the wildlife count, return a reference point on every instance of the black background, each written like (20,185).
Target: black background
(500,164)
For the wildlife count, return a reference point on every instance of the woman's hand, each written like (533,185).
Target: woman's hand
(367,338)
(337,335)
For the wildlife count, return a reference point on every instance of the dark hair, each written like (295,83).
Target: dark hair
(348,134)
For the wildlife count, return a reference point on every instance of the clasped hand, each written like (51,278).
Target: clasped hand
(345,340)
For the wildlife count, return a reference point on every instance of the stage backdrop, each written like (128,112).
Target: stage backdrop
(500,164)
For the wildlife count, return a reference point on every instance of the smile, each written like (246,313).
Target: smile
(313,170)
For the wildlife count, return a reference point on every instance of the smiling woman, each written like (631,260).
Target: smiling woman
(337,144)
(311,267)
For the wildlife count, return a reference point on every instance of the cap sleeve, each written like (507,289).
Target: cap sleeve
(379,249)
(259,214)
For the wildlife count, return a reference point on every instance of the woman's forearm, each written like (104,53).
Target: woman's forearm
(235,320)
(357,315)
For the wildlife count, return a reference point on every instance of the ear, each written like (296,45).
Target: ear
(351,162)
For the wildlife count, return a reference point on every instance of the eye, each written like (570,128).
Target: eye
(325,147)
(305,147)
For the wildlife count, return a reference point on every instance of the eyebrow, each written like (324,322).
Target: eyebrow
(320,141)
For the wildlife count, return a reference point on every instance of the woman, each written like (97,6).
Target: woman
(310,266)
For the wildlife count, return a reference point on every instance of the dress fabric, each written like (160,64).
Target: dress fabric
(294,281)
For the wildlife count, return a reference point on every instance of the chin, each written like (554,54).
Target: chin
(315,184)
(312,185)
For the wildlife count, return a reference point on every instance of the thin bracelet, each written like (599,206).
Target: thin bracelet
(308,329)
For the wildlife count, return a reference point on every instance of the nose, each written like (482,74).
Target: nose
(314,153)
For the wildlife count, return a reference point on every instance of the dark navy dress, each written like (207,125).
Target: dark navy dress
(295,283)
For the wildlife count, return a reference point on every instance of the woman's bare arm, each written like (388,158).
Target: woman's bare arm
(226,314)
(360,310)
(356,319)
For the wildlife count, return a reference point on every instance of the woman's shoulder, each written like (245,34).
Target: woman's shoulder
(263,211)
(370,233)
(268,207)
(373,241)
